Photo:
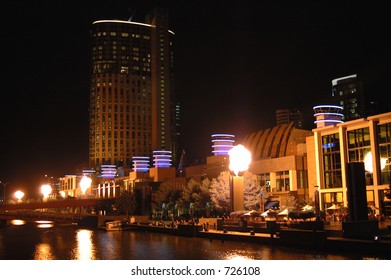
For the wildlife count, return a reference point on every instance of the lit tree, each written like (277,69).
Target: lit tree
(291,202)
(220,192)
(251,191)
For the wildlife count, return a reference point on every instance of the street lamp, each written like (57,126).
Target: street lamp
(316,200)
(4,184)
(46,190)
(240,159)
(19,195)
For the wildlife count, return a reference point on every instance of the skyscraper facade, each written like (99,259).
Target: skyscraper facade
(348,92)
(285,116)
(133,109)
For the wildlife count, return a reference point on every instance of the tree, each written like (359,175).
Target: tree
(252,189)
(126,203)
(220,192)
(291,202)
(168,195)
(195,196)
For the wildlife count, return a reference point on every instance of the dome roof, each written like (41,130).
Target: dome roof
(279,141)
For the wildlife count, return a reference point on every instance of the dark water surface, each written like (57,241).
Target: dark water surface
(43,241)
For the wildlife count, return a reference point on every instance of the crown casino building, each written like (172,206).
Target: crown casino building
(133,109)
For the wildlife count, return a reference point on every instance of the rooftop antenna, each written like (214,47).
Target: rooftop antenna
(131,14)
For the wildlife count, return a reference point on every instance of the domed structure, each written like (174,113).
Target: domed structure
(275,142)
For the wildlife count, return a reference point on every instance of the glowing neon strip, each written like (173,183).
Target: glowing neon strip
(328,106)
(323,121)
(127,22)
(329,114)
(335,81)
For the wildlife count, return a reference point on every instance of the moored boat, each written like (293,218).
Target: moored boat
(113,225)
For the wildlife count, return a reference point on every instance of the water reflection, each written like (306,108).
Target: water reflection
(71,243)
(85,249)
(110,244)
(44,224)
(43,252)
(235,257)
(17,222)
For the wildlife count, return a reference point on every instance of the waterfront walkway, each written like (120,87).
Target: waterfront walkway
(329,239)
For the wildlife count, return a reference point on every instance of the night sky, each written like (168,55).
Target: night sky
(236,63)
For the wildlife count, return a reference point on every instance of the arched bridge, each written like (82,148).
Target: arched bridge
(62,209)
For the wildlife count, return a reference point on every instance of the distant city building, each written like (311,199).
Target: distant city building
(286,116)
(348,92)
(133,108)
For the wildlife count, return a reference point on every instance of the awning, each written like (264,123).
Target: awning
(272,204)
(307,208)
(264,214)
(283,213)
(253,213)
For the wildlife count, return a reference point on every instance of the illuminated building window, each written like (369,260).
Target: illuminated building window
(331,161)
(384,140)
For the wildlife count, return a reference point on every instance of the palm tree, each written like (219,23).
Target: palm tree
(126,203)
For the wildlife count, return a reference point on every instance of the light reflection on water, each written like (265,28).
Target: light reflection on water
(72,243)
(17,222)
(43,251)
(84,249)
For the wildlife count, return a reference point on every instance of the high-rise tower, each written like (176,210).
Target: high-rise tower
(348,92)
(132,102)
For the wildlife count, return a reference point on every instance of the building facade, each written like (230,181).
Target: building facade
(279,160)
(332,147)
(348,92)
(133,108)
(286,116)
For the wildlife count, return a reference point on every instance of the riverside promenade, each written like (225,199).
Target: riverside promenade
(329,239)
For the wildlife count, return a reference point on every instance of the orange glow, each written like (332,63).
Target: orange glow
(85,183)
(240,159)
(46,190)
(17,222)
(19,195)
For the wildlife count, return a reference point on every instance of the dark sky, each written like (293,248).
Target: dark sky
(236,61)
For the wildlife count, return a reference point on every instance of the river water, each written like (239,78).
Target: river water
(43,241)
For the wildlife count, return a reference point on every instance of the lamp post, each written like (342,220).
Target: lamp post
(262,206)
(240,159)
(4,184)
(316,200)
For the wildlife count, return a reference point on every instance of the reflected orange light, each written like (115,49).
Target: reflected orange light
(43,252)
(237,257)
(45,225)
(85,248)
(44,222)
(17,222)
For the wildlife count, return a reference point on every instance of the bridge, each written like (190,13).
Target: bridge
(61,210)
